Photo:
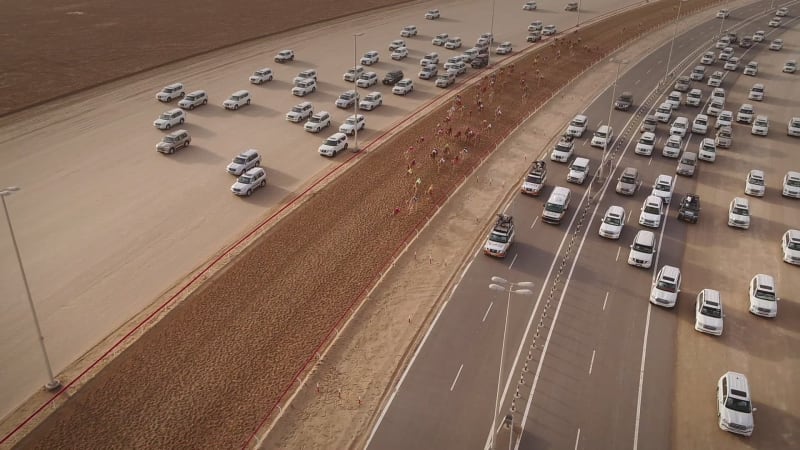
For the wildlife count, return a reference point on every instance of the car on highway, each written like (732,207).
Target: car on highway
(433,14)
(428,72)
(663,187)
(399,53)
(353,123)
(563,149)
(395,44)
(243,162)
(672,146)
(624,101)
(763,296)
(724,119)
(790,66)
(715,106)
(739,213)
(698,73)
(571,6)
(403,87)
(745,114)
(647,142)
(284,56)
(666,287)
(694,97)
(649,123)
(440,39)
(353,74)
(755,183)
(501,237)
(534,36)
(775,22)
(529,6)
(689,208)
(549,30)
(261,76)
(675,99)
(782,11)
(715,80)
(723,14)
(481,60)
(746,42)
(683,83)
(628,181)
(708,313)
(334,144)
(392,77)
(793,127)
(304,75)
(170,92)
(700,124)
(756,92)
(304,87)
(708,58)
(790,245)
(504,48)
(536,25)
(249,181)
(318,122)
(664,112)
(732,64)
(643,249)
(452,61)
(734,405)
(453,43)
(557,205)
(193,99)
(367,79)
(169,119)
(724,137)
(687,164)
(650,215)
(791,184)
(725,54)
(444,80)
(612,223)
(708,150)
(535,179)
(431,59)
(300,112)
(371,57)
(759,36)
(176,140)
(602,137)
(347,99)
(578,171)
(776,45)
(577,126)
(760,126)
(723,42)
(751,69)
(679,127)
(371,101)
(459,68)
(408,31)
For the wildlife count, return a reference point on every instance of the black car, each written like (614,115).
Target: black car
(393,77)
(482,60)
(690,208)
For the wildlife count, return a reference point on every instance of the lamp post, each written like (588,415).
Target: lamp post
(503,285)
(619,62)
(491,27)
(579,15)
(674,34)
(722,24)
(355,82)
(53,383)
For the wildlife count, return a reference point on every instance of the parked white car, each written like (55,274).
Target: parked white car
(793,127)
(284,56)
(756,92)
(249,181)
(504,49)
(453,43)
(408,31)
(755,184)
(304,87)
(170,92)
(243,162)
(395,44)
(305,75)
(367,79)
(429,59)
(353,73)
(403,87)
(261,76)
(790,245)
(440,39)
(355,122)
(318,122)
(335,143)
(549,30)
(700,124)
(791,184)
(739,213)
(371,101)
(399,53)
(745,114)
(734,405)
(370,58)
(300,112)
(432,14)
(763,296)
(193,99)
(169,119)
(347,99)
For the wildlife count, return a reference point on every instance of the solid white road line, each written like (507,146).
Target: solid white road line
(628,220)
(577,439)
(605,301)
(456,379)
(619,249)
(487,311)
(534,221)
(591,363)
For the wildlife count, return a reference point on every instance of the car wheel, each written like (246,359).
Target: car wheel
(313,89)
(263,183)
(169,125)
(188,141)
(249,192)
(248,101)
(171,150)
(182,94)
(345,147)
(191,107)
(235,106)
(205,102)
(181,121)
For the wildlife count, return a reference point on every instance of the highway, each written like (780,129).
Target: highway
(106,225)
(607,370)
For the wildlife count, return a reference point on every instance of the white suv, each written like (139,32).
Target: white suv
(708,312)
(646,143)
(739,213)
(666,287)
(760,126)
(250,181)
(300,112)
(169,93)
(244,162)
(355,122)
(662,188)
(318,122)
(261,76)
(193,100)
(237,100)
(169,119)
(578,125)
(603,136)
(651,212)
(790,244)
(304,87)
(734,405)
(754,184)
(763,298)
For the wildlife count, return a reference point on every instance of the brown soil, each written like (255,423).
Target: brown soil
(208,373)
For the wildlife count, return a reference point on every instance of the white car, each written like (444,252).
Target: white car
(663,187)
(169,119)
(664,112)
(708,312)
(459,68)
(529,6)
(694,97)
(403,87)
(249,181)
(395,44)
(725,54)
(782,11)
(174,141)
(445,80)
(549,30)
(674,98)
(732,64)
(453,61)
(760,126)
(577,126)
(790,244)
(724,119)
(563,150)
(708,58)
(399,53)
(356,122)
(318,122)
(745,114)
(370,58)
(243,162)
(775,22)
(367,79)
(371,101)
(651,212)
(751,69)
(718,93)
(452,43)
(440,39)
(408,31)
(300,112)
(170,92)
(237,100)
(602,137)
(612,223)
(723,14)
(432,14)
(739,213)
(715,106)
(790,66)
(578,171)
(756,92)
(734,406)
(284,56)
(725,41)
(776,45)
(672,147)
(793,127)
(708,150)
(679,126)
(715,80)
(700,124)
(353,73)
(347,99)
(261,76)
(428,72)
(305,75)
(763,297)
(755,184)
(193,100)
(304,87)
(504,48)
(333,145)
(666,287)
(698,73)
(536,25)
(431,59)
(647,142)
(791,184)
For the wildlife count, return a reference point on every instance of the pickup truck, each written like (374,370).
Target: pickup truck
(690,208)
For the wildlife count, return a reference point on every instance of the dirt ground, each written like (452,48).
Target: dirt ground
(207,374)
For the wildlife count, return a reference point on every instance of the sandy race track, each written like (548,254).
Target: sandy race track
(206,374)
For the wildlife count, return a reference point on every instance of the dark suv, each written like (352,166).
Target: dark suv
(690,208)
(393,77)
(482,60)
(624,101)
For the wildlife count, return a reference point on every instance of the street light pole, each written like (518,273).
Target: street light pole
(355,82)
(722,24)
(619,62)
(503,285)
(53,383)
(491,28)
(579,15)
(674,34)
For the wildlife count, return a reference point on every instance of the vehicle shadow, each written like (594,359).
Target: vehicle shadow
(781,421)
(276,85)
(197,154)
(209,110)
(198,131)
(256,110)
(268,197)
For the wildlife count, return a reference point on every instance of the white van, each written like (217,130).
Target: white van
(556,205)
(666,287)
(643,249)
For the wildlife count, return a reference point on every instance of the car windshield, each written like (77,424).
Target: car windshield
(761,123)
(297,109)
(642,248)
(666,285)
(652,209)
(600,134)
(711,312)
(688,161)
(164,117)
(169,139)
(647,140)
(793,245)
(756,181)
(239,160)
(576,123)
(708,148)
(350,121)
(613,220)
(627,180)
(535,179)
(577,168)
(738,404)
(314,119)
(245,179)
(765,295)
(552,207)
(191,98)
(332,142)
(793,182)
(498,237)
(563,147)
(739,211)
(663,187)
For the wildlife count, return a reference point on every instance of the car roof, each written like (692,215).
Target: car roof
(712,295)
(757,173)
(630,171)
(241,92)
(199,92)
(338,135)
(664,178)
(794,235)
(653,199)
(738,382)
(254,171)
(177,132)
(670,271)
(741,202)
(174,110)
(616,210)
(322,113)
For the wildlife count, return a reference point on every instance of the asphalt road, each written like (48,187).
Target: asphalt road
(106,225)
(608,370)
